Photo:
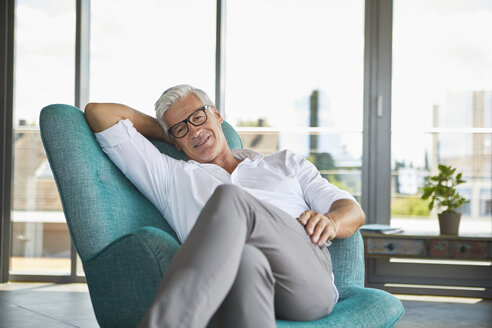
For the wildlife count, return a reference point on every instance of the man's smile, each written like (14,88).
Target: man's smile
(201,142)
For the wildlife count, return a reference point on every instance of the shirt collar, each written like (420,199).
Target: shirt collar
(242,154)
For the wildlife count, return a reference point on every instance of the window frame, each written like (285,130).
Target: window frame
(6,96)
(376,151)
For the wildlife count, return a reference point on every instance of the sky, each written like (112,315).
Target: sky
(277,53)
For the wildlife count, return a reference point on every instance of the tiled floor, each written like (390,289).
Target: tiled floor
(445,312)
(56,306)
(45,305)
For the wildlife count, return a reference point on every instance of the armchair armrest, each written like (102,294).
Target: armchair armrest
(124,277)
(360,307)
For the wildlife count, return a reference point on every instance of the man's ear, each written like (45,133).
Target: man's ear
(217,115)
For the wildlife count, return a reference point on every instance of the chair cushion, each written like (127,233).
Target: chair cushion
(360,307)
(124,277)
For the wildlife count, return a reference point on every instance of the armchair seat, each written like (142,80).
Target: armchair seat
(126,245)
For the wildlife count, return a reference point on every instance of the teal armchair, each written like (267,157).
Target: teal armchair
(125,244)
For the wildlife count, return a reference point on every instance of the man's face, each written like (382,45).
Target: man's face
(205,143)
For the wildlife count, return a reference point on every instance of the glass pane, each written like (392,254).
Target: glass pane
(337,157)
(141,48)
(44,74)
(442,108)
(294,80)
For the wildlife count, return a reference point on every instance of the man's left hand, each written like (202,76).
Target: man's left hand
(320,227)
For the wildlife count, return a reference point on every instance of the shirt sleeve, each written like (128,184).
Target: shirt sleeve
(319,194)
(139,160)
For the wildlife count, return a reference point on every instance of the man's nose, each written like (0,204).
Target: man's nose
(194,131)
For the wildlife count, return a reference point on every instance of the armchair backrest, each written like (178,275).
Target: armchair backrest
(99,202)
(101,205)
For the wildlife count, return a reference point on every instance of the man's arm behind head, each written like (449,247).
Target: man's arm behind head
(101,116)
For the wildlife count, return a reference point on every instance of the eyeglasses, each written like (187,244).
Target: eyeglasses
(197,118)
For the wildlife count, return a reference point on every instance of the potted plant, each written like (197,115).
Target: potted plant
(441,189)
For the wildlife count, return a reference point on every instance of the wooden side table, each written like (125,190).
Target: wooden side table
(432,266)
(428,246)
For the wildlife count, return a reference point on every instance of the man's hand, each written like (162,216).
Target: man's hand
(320,227)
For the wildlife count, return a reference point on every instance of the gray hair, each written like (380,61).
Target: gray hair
(173,95)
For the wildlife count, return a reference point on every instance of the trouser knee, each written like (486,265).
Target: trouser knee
(230,208)
(230,200)
(227,191)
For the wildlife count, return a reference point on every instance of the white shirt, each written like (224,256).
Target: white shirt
(179,189)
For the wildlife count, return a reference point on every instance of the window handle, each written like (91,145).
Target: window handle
(379,106)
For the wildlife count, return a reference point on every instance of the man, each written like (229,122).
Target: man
(244,259)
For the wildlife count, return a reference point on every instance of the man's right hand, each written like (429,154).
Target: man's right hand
(320,227)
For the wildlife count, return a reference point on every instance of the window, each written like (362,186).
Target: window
(442,107)
(294,80)
(44,74)
(144,47)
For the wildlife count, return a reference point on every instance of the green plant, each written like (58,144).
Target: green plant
(441,189)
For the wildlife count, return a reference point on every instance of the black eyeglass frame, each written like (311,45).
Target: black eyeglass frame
(187,120)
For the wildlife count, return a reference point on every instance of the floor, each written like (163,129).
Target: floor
(445,312)
(50,305)
(45,305)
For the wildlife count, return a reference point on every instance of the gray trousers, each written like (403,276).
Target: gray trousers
(243,264)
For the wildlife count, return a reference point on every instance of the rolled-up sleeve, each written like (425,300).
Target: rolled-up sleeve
(139,160)
(319,194)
